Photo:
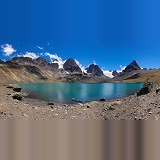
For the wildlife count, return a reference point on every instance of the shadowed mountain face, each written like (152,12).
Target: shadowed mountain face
(132,71)
(71,66)
(132,67)
(94,70)
(115,73)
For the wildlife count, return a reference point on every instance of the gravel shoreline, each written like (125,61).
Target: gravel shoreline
(127,108)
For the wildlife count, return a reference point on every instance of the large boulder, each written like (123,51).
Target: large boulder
(147,88)
(17,96)
(94,70)
(71,66)
(17,89)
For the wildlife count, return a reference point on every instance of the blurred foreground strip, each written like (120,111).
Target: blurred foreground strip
(80,140)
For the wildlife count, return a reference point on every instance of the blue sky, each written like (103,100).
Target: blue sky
(112,33)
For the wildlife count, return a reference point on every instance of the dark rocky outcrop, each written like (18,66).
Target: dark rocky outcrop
(50,103)
(115,73)
(102,99)
(94,70)
(10,87)
(17,96)
(17,89)
(71,66)
(147,87)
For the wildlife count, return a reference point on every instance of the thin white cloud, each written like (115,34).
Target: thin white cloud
(108,73)
(41,48)
(56,59)
(48,44)
(7,49)
(81,66)
(30,55)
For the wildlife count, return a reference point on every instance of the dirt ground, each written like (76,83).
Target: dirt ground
(131,107)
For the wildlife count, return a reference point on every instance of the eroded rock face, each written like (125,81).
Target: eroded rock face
(42,62)
(71,66)
(22,60)
(94,70)
(35,70)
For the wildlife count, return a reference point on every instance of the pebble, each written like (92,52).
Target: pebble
(25,115)
(111,108)
(66,112)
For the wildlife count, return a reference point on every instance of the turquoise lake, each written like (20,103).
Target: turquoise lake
(64,92)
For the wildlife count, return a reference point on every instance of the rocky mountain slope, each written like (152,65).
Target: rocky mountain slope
(24,69)
(131,70)
(71,66)
(94,70)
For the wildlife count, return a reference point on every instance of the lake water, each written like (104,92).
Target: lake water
(64,92)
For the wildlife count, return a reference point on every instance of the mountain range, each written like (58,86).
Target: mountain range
(25,69)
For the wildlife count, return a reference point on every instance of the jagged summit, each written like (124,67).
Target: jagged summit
(22,60)
(132,67)
(40,62)
(71,66)
(115,73)
(94,70)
